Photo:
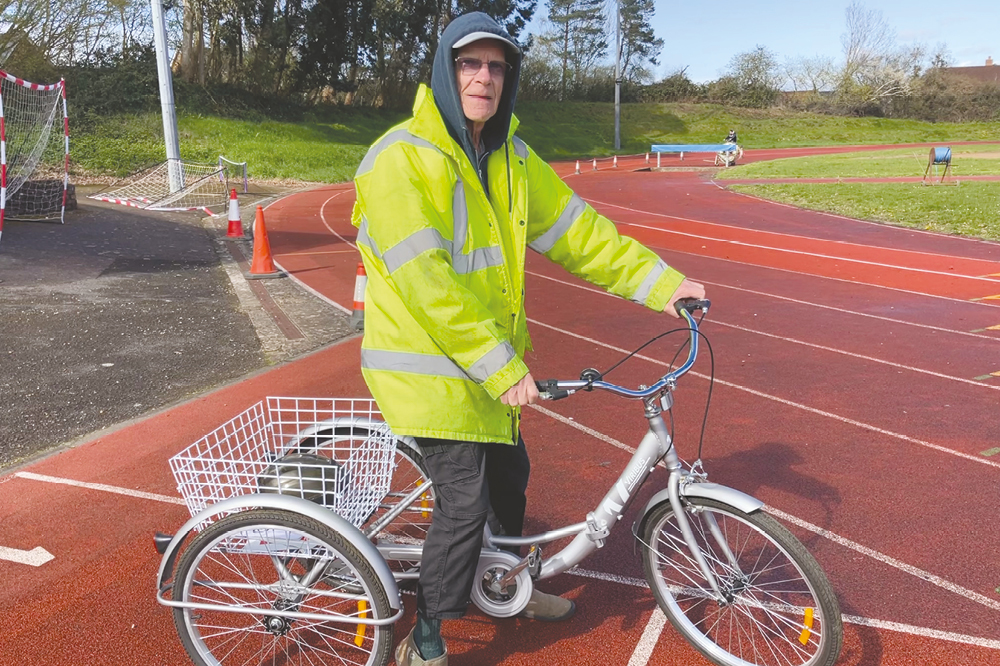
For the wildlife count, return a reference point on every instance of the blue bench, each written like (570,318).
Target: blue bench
(725,153)
(693,147)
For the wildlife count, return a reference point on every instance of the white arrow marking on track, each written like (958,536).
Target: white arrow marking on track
(35,557)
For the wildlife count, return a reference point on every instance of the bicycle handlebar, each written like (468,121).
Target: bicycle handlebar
(557,389)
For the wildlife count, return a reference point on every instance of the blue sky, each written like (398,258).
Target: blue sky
(704,36)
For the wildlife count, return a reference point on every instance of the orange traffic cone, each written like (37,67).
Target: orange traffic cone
(262,265)
(358,315)
(235,223)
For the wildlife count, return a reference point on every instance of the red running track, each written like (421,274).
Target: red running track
(854,395)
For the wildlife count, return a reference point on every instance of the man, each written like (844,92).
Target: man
(447,204)
(731,137)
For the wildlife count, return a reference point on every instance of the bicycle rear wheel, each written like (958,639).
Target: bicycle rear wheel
(256,568)
(780,609)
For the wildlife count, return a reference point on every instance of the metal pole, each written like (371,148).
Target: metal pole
(170,137)
(618,75)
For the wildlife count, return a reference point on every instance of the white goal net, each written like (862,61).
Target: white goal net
(174,185)
(34,149)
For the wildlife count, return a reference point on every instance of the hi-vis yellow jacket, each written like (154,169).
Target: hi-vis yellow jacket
(445,326)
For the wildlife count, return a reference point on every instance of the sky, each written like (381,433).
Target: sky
(704,36)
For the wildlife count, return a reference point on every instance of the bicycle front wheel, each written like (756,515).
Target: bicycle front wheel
(778,608)
(254,571)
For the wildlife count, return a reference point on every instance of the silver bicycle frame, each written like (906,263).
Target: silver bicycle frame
(655,446)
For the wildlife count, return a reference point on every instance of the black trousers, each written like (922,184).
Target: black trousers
(470,480)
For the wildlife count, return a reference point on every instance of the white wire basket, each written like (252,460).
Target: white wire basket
(334,451)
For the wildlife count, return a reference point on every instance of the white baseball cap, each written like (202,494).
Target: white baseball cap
(476,36)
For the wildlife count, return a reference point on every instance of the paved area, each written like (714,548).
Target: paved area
(119,312)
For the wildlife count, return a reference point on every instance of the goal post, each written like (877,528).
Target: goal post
(34,154)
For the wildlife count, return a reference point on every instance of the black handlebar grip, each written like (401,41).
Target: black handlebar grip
(549,387)
(692,304)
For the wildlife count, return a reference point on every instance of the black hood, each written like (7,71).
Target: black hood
(445,88)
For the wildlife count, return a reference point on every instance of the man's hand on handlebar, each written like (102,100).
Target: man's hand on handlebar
(522,393)
(687,289)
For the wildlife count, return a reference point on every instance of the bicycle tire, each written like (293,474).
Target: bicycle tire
(235,563)
(796,624)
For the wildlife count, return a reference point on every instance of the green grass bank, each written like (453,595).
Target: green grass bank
(326,147)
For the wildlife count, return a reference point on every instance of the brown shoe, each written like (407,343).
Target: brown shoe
(407,654)
(548,607)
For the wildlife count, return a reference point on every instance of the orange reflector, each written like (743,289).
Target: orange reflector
(359,638)
(807,631)
(423,500)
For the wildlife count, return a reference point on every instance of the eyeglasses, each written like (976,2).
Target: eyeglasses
(472,66)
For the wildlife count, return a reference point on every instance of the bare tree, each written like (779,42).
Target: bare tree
(817,74)
(876,70)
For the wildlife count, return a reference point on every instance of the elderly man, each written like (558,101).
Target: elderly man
(447,204)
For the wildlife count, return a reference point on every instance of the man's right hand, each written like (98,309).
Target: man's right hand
(522,393)
(687,289)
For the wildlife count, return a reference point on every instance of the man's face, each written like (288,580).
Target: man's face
(480,89)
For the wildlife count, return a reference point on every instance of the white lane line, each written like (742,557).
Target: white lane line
(623,580)
(816,346)
(796,236)
(845,311)
(863,262)
(35,557)
(815,529)
(799,302)
(644,649)
(789,403)
(885,559)
(100,486)
(327,224)
(898,627)
(858,356)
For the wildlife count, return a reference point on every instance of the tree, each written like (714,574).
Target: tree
(757,76)
(876,70)
(578,39)
(640,46)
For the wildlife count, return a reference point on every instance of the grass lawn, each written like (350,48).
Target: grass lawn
(329,146)
(965,161)
(969,209)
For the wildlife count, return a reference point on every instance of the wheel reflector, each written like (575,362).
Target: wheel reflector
(806,632)
(359,638)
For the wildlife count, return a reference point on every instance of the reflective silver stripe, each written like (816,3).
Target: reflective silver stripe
(574,209)
(418,364)
(365,239)
(492,361)
(642,293)
(412,246)
(477,260)
(520,148)
(368,163)
(460,215)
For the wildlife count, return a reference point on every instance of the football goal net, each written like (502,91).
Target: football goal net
(177,185)
(34,150)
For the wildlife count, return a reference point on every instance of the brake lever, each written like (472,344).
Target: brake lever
(548,390)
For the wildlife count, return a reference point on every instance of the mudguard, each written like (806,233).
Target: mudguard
(713,491)
(293,505)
